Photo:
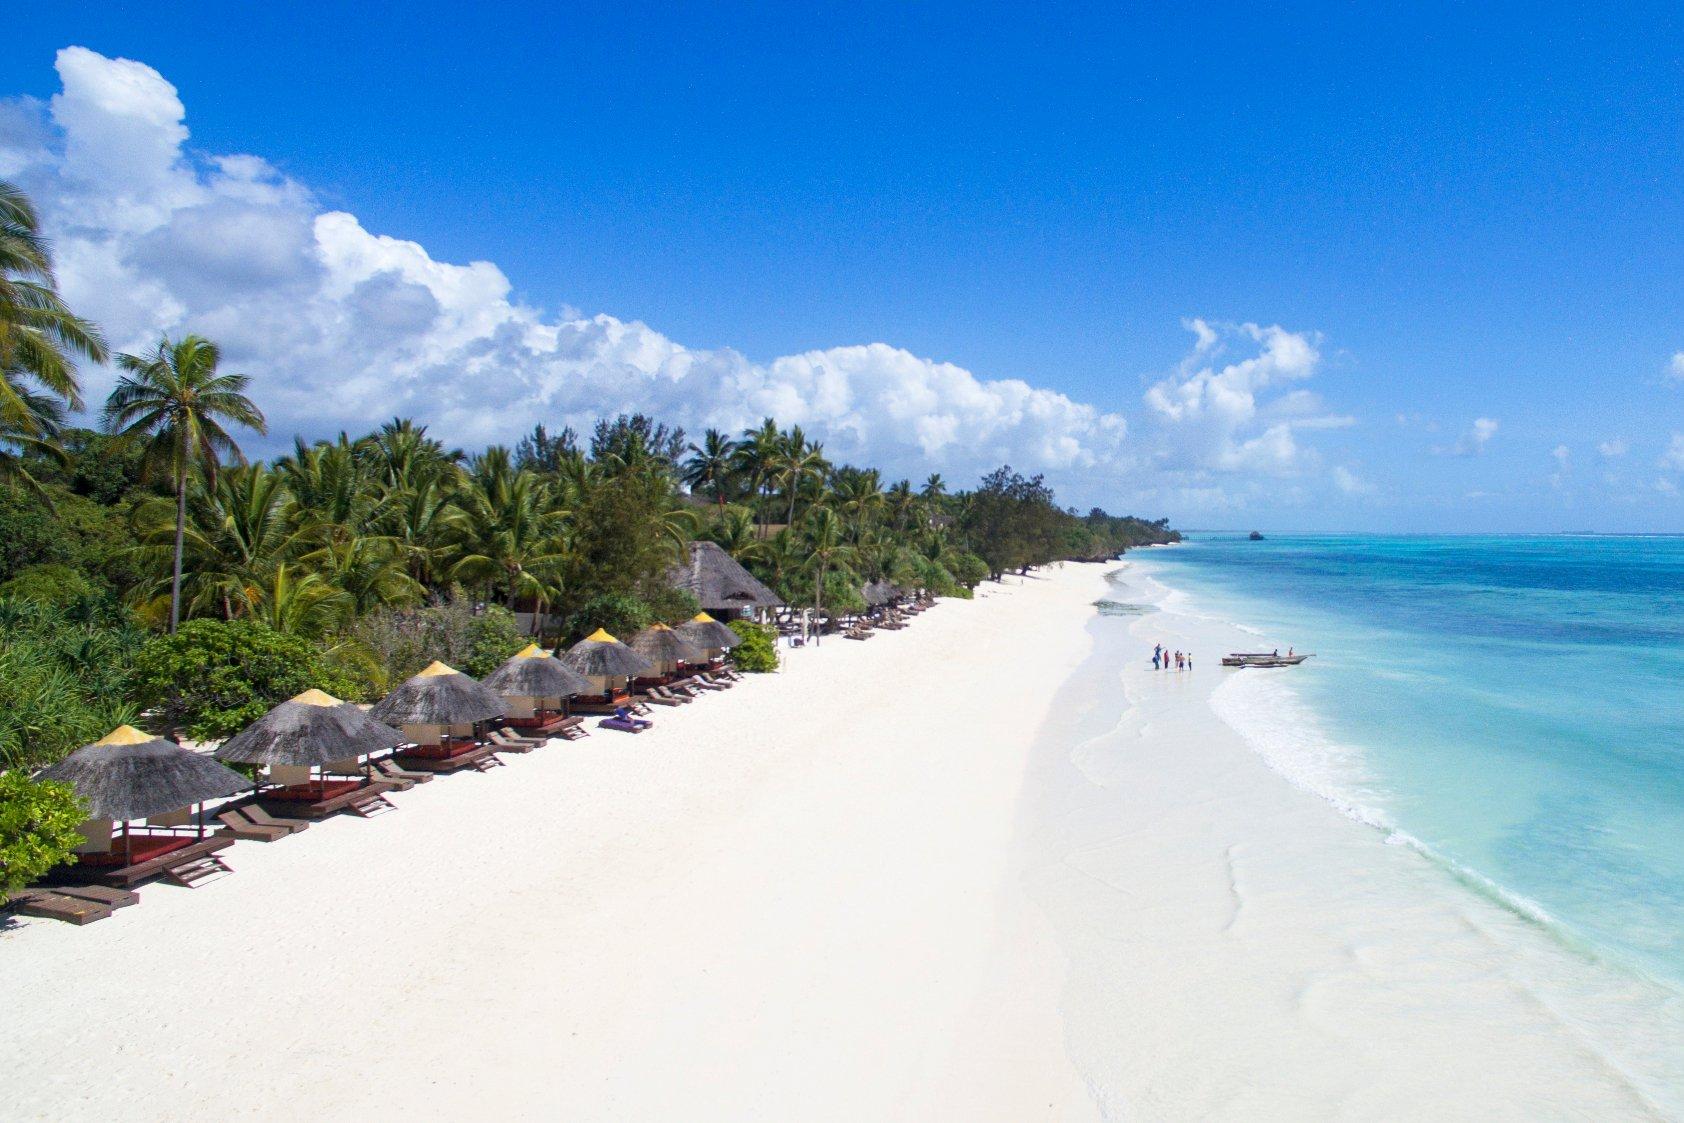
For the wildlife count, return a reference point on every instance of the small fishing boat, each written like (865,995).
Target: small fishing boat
(1262,659)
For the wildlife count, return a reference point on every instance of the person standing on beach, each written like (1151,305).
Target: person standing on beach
(1154,660)
(1189,660)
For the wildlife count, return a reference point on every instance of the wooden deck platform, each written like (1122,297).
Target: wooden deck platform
(360,797)
(187,865)
(473,756)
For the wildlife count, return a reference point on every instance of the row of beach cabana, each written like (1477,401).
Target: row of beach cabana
(158,810)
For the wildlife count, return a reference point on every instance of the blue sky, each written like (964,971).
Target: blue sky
(1463,213)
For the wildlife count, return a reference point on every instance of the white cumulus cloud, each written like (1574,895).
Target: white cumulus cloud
(342,326)
(1473,441)
(1223,408)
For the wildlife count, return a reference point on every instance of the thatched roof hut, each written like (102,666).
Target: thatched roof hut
(718,583)
(439,695)
(533,672)
(313,728)
(128,774)
(878,593)
(600,655)
(704,631)
(664,647)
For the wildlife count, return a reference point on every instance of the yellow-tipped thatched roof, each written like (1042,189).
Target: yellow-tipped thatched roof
(436,668)
(531,651)
(702,618)
(314,697)
(601,636)
(125,735)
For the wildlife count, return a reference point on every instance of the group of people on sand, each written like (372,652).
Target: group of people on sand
(1161,659)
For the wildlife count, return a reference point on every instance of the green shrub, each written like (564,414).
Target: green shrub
(492,637)
(390,644)
(969,570)
(215,677)
(758,653)
(623,614)
(38,828)
(50,584)
(65,678)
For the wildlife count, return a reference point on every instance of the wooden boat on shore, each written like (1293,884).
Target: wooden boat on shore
(1262,659)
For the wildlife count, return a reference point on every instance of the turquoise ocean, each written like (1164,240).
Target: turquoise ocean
(1514,706)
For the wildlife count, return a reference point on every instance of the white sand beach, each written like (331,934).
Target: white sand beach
(797,900)
(878,885)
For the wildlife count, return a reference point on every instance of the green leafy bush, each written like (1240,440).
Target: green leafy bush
(398,642)
(65,675)
(623,614)
(38,828)
(969,570)
(215,677)
(49,584)
(758,653)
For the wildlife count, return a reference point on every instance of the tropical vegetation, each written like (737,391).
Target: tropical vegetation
(149,570)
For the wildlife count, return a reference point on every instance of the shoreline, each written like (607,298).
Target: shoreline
(989,867)
(1289,960)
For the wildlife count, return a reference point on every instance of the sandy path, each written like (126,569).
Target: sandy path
(800,900)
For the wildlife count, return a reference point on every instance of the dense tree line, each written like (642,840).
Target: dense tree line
(145,562)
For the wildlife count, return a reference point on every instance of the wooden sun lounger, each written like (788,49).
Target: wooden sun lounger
(507,742)
(263,819)
(99,894)
(48,904)
(572,728)
(236,824)
(710,683)
(660,699)
(398,774)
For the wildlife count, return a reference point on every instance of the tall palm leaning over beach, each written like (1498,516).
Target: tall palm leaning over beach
(175,401)
(40,339)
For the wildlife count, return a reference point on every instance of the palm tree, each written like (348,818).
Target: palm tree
(333,486)
(300,602)
(31,423)
(509,532)
(239,529)
(756,454)
(826,548)
(39,339)
(176,402)
(711,465)
(799,464)
(934,488)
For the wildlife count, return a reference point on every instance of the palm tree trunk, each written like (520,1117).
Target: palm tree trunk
(818,602)
(180,537)
(791,505)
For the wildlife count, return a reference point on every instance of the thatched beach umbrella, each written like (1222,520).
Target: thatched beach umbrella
(128,775)
(533,674)
(604,659)
(666,648)
(600,655)
(439,695)
(313,729)
(704,631)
